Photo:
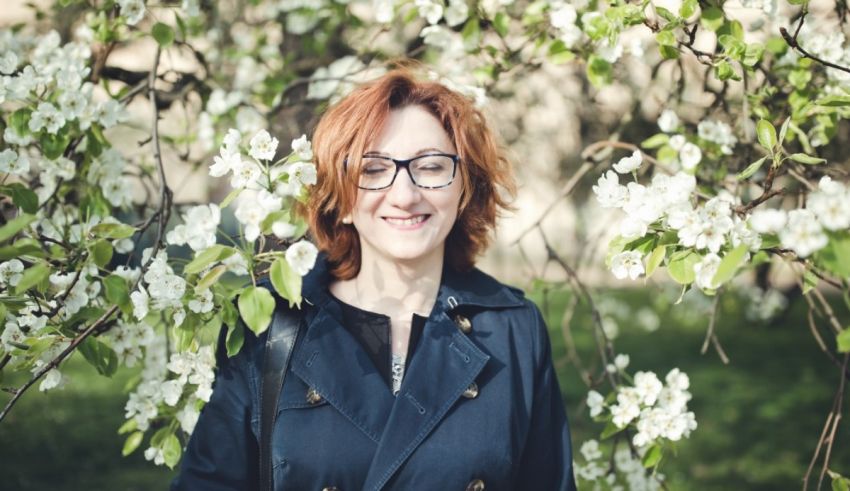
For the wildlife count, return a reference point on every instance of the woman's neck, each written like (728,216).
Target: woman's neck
(393,288)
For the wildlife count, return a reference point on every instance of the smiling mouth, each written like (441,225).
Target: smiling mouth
(407,222)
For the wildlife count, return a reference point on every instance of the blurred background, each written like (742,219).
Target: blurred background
(759,416)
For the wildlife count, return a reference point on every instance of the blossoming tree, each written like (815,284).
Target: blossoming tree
(92,241)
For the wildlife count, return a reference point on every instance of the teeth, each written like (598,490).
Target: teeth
(407,221)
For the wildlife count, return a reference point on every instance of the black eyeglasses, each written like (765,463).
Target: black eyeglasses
(429,171)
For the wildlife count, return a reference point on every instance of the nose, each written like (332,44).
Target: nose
(403,193)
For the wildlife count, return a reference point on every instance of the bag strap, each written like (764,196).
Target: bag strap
(279,344)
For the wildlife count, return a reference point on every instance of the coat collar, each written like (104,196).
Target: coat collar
(470,288)
(446,362)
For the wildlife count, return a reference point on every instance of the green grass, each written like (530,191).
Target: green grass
(759,417)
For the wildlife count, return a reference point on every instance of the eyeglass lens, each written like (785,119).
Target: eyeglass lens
(426,171)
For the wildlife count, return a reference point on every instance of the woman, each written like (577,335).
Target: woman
(413,370)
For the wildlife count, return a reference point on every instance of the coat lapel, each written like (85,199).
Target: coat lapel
(444,365)
(328,361)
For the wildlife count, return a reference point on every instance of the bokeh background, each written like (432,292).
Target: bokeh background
(759,417)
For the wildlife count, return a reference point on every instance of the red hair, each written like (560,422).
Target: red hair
(346,129)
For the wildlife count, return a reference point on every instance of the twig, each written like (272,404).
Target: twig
(710,336)
(839,402)
(58,359)
(565,191)
(606,349)
(794,44)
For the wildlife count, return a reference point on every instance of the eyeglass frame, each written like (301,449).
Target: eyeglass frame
(399,163)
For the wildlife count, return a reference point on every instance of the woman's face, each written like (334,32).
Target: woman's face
(405,223)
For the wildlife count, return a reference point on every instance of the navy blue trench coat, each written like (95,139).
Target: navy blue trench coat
(478,408)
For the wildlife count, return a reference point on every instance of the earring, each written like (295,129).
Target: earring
(346,219)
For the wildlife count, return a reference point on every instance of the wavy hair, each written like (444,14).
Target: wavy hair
(347,127)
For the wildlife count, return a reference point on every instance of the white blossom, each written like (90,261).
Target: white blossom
(11,272)
(140,301)
(202,303)
(609,192)
(630,163)
(430,10)
(301,256)
(595,402)
(768,220)
(803,234)
(690,156)
(383,11)
(456,13)
(263,146)
(627,263)
(831,204)
(48,117)
(719,133)
(668,121)
(133,11)
(590,450)
(303,148)
(198,229)
(705,270)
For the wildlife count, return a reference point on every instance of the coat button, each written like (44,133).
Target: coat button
(313,397)
(463,323)
(475,485)
(471,392)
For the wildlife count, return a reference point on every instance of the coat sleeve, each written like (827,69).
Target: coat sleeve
(222,453)
(547,461)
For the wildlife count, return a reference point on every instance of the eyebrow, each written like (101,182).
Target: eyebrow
(418,152)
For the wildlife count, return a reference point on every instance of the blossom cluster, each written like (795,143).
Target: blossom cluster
(628,472)
(804,230)
(656,411)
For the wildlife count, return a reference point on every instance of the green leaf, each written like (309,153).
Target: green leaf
(163,33)
(839,482)
(655,259)
(211,277)
(843,339)
(230,197)
(471,34)
(101,253)
(208,256)
(19,121)
(665,38)
(118,293)
(115,231)
(500,23)
(834,256)
(23,247)
(171,450)
(610,430)
(681,266)
(22,196)
(724,71)
(688,8)
(784,129)
(128,426)
(655,141)
(598,71)
(15,225)
(652,456)
(558,53)
(834,101)
(99,355)
(753,54)
(767,135)
(729,265)
(751,169)
(256,306)
(810,280)
(286,281)
(806,159)
(235,338)
(711,18)
(54,146)
(32,276)
(132,443)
